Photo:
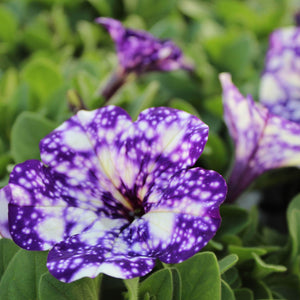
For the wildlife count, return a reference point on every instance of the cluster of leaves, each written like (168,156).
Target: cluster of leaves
(51,48)
(245,261)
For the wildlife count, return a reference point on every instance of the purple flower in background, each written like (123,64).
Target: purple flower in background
(112,195)
(280,82)
(5,197)
(138,51)
(263,141)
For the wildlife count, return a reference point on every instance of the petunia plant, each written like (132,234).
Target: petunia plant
(111,195)
(139,52)
(262,140)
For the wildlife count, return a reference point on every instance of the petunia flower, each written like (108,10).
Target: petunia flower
(5,197)
(280,82)
(262,140)
(139,52)
(111,195)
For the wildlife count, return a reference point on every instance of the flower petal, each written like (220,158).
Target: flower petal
(5,196)
(181,222)
(45,209)
(85,149)
(280,82)
(161,142)
(89,254)
(262,140)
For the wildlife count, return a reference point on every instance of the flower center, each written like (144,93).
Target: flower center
(136,214)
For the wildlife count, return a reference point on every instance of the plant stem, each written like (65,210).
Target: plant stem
(116,81)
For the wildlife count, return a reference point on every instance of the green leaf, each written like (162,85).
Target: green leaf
(250,232)
(8,83)
(7,250)
(37,34)
(43,77)
(258,16)
(243,294)
(214,155)
(260,289)
(185,106)
(8,25)
(227,262)
(145,100)
(200,277)
(85,288)
(159,284)
(232,277)
(262,269)
(28,129)
(293,219)
(234,220)
(21,278)
(232,51)
(151,13)
(227,292)
(246,253)
(132,287)
(284,286)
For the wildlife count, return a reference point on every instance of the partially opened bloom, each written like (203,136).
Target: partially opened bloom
(262,140)
(112,195)
(5,197)
(139,51)
(280,82)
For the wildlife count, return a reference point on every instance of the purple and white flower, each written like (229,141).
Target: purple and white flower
(262,140)
(111,195)
(280,82)
(139,51)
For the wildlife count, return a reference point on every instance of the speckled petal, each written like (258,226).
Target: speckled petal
(44,209)
(161,142)
(139,51)
(180,221)
(262,140)
(85,150)
(5,197)
(280,81)
(89,254)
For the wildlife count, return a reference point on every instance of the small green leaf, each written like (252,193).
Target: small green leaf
(284,286)
(185,106)
(262,269)
(214,155)
(8,82)
(200,277)
(8,25)
(132,287)
(17,284)
(293,219)
(243,294)
(227,292)
(234,220)
(28,129)
(85,288)
(43,76)
(151,13)
(232,277)
(145,100)
(159,284)
(227,262)
(246,253)
(7,250)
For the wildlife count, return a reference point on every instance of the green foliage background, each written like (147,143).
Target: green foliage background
(49,47)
